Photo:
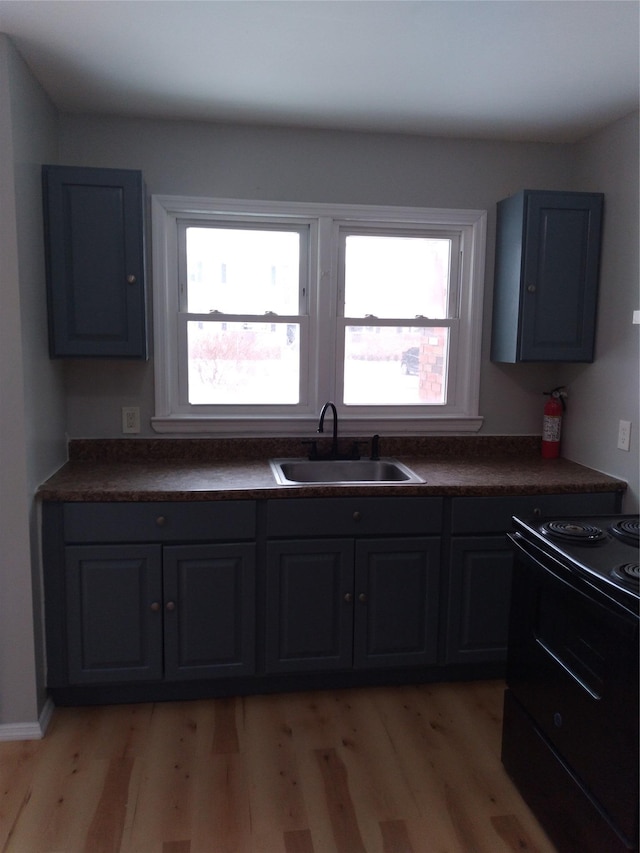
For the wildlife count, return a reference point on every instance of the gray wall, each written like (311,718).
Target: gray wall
(301,165)
(32,410)
(607,391)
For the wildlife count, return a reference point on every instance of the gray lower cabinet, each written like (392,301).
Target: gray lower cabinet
(167,595)
(114,618)
(362,602)
(478,587)
(143,612)
(478,599)
(309,606)
(123,611)
(209,611)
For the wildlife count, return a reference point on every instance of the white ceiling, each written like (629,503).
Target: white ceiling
(542,70)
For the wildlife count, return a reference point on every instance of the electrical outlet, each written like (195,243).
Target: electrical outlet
(130,419)
(624,435)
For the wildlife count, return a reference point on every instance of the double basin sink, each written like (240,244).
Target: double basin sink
(298,472)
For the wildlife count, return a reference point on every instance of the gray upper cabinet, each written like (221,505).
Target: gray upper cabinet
(546,277)
(94,247)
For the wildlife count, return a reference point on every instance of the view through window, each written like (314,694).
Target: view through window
(281,307)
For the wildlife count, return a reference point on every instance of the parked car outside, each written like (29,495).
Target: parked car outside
(409,362)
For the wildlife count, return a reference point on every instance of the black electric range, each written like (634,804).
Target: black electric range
(604,550)
(571,713)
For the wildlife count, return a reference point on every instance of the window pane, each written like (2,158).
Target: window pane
(242,271)
(395,366)
(396,276)
(243,363)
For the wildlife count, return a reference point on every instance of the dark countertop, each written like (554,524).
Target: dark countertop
(238,469)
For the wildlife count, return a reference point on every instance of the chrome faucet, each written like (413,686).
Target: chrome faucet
(334,411)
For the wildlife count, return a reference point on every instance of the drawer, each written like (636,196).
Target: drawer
(493,515)
(354,516)
(159,522)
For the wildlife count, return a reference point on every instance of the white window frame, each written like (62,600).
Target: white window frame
(460,414)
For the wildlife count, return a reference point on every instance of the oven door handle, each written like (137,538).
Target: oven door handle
(543,560)
(568,670)
(533,554)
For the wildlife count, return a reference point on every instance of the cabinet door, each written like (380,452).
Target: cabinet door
(309,619)
(209,610)
(114,613)
(546,276)
(561,266)
(95,262)
(396,602)
(478,599)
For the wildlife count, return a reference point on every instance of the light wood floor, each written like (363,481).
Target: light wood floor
(376,770)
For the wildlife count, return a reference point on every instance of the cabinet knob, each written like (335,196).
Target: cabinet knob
(131,279)
(161,520)
(362,598)
(155,606)
(356,516)
(170,605)
(348,597)
(537,512)
(557,720)
(531,288)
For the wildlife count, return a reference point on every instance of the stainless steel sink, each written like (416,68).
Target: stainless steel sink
(290,472)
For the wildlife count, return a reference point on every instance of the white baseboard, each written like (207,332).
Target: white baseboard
(28,731)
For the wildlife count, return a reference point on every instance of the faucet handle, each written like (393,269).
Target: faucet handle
(375,447)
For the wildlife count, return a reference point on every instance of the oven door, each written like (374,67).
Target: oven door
(573,667)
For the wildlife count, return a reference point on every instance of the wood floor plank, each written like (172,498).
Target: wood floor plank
(271,767)
(344,824)
(395,837)
(221,816)
(468,735)
(509,827)
(412,769)
(164,801)
(419,750)
(225,733)
(62,794)
(107,826)
(298,841)
(16,762)
(365,748)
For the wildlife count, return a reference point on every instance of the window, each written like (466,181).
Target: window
(264,311)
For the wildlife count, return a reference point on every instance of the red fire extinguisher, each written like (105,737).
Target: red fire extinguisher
(552,422)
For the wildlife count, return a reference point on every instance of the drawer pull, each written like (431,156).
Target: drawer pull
(171,605)
(356,516)
(161,520)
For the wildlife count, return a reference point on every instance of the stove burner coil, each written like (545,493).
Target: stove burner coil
(627,529)
(574,531)
(628,571)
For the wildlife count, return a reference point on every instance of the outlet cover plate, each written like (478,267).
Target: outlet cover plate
(130,419)
(624,435)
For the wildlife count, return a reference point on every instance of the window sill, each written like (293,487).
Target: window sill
(188,424)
